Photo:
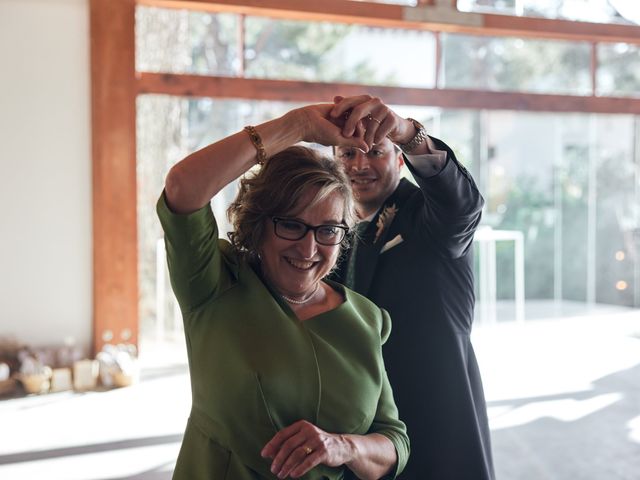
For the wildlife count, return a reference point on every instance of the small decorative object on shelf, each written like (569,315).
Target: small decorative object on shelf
(36,383)
(118,365)
(58,368)
(61,379)
(9,348)
(7,384)
(85,374)
(5,372)
(34,375)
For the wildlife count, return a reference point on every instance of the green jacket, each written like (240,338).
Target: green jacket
(255,368)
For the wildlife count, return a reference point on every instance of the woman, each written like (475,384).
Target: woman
(286,367)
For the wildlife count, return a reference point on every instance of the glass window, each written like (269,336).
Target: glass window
(515,64)
(617,209)
(571,189)
(320,51)
(618,69)
(598,11)
(181,41)
(567,182)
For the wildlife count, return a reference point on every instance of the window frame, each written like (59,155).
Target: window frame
(116,85)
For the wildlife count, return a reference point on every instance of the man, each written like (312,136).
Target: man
(414,258)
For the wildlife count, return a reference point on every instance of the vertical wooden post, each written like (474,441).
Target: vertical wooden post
(113,98)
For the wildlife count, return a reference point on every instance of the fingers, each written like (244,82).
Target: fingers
(364,116)
(322,128)
(331,135)
(299,462)
(377,128)
(347,103)
(296,449)
(292,451)
(274,445)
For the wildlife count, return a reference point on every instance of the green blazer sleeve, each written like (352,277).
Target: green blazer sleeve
(386,421)
(198,266)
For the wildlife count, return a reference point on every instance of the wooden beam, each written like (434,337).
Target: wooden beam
(370,13)
(426,17)
(113,99)
(299,91)
(559,29)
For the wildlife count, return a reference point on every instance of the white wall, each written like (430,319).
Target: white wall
(45,171)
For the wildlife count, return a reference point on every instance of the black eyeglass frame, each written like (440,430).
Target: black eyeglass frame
(308,227)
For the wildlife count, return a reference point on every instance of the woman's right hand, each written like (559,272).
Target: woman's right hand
(318,126)
(298,448)
(301,446)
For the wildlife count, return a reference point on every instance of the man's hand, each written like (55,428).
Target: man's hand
(301,446)
(369,116)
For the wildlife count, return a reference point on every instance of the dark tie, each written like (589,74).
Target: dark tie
(350,277)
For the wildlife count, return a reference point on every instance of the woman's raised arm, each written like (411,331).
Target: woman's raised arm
(193,181)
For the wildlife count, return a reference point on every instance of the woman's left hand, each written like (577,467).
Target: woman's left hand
(301,446)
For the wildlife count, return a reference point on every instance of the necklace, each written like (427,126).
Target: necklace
(300,302)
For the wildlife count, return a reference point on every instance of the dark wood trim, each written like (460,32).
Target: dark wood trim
(115,85)
(299,91)
(113,113)
(428,17)
(559,29)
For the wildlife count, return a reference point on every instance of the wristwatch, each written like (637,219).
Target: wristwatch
(420,137)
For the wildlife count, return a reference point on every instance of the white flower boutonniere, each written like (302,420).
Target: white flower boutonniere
(384,220)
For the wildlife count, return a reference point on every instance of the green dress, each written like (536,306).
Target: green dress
(255,368)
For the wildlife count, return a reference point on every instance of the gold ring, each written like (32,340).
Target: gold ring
(307,450)
(371,117)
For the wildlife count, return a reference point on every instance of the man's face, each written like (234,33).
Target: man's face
(374,175)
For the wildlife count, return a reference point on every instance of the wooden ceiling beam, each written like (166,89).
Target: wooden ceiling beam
(300,91)
(424,16)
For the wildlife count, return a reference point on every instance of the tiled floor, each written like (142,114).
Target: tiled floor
(563,398)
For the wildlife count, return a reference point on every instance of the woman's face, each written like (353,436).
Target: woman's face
(294,267)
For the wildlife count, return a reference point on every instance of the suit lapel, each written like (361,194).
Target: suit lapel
(371,243)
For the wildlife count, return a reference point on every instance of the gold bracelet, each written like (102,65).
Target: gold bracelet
(257,142)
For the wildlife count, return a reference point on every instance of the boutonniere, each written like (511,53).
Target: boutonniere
(384,220)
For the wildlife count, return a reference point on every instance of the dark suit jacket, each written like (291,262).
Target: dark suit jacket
(420,269)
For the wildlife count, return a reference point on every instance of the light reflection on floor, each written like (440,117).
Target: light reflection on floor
(128,433)
(563,395)
(634,429)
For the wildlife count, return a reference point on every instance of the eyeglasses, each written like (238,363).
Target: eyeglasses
(295,230)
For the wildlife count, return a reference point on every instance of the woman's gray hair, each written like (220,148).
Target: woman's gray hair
(277,189)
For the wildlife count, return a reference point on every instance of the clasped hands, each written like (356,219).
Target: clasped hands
(301,446)
(359,121)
